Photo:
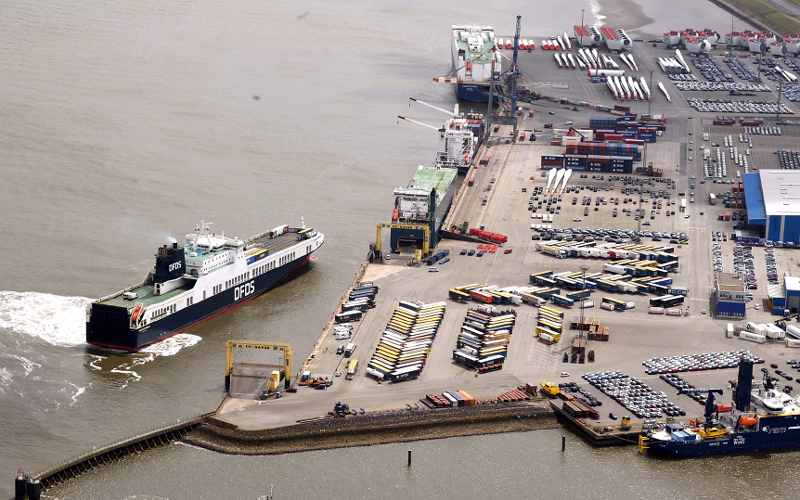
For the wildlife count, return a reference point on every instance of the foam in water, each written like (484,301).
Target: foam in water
(55,319)
(5,379)
(599,18)
(166,347)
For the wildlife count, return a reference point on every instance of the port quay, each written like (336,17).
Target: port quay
(491,262)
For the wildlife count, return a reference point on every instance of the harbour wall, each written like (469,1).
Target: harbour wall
(90,460)
(369,429)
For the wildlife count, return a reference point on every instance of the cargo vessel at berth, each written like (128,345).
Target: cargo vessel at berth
(472,56)
(425,201)
(191,284)
(762,418)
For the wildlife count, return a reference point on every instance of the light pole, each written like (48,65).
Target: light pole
(580,35)
(649,101)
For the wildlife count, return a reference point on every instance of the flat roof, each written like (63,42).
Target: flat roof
(781,191)
(756,214)
(792,283)
(729,282)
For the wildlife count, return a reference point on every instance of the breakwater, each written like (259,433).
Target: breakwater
(369,429)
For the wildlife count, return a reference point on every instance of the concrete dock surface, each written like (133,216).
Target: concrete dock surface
(506,183)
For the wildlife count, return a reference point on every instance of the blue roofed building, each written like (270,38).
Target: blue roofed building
(773,204)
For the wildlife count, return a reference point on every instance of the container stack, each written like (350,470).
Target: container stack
(606,148)
(449,399)
(406,342)
(488,235)
(602,122)
(514,395)
(483,341)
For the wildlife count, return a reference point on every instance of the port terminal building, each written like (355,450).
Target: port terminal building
(785,297)
(773,204)
(730,296)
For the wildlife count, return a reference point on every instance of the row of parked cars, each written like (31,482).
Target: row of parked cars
(737,106)
(633,394)
(697,362)
(741,69)
(609,235)
(790,159)
(772,266)
(743,264)
(716,256)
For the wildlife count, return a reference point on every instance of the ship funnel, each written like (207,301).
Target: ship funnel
(744,385)
(174,242)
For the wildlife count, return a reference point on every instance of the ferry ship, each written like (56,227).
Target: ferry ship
(192,284)
(762,418)
(426,200)
(472,56)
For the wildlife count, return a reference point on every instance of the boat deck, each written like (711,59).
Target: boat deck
(275,244)
(146,296)
(145,293)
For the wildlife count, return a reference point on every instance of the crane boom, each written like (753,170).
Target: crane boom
(453,113)
(420,123)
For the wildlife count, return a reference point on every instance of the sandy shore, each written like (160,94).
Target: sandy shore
(378,429)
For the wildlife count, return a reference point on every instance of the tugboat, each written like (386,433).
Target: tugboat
(761,418)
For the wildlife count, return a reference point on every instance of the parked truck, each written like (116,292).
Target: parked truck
(712,198)
(555,252)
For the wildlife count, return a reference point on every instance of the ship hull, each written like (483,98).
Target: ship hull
(472,92)
(121,336)
(773,435)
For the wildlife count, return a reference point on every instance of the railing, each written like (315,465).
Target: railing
(114,295)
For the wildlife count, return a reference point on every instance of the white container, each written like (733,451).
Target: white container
(656,310)
(792,343)
(729,331)
(752,337)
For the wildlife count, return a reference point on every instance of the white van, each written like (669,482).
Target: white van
(347,326)
(342,334)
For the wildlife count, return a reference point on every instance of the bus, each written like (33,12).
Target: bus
(618,304)
(554,312)
(667,301)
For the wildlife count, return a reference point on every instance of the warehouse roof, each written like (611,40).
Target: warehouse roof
(792,283)
(754,199)
(781,191)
